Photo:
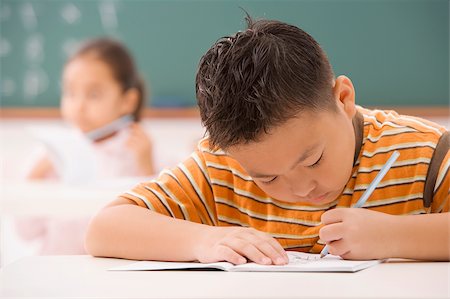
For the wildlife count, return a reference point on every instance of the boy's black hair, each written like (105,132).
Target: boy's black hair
(259,78)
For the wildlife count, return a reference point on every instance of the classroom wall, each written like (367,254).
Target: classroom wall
(395,51)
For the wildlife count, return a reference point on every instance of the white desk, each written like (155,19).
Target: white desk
(54,198)
(86,277)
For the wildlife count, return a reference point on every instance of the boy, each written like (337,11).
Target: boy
(287,154)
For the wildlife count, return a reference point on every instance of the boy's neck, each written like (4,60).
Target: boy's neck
(358,127)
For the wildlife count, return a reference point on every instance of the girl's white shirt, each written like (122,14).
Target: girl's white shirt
(76,159)
(113,158)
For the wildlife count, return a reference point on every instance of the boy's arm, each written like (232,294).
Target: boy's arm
(126,230)
(424,237)
(366,234)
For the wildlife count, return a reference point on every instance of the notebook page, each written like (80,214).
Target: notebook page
(305,262)
(298,262)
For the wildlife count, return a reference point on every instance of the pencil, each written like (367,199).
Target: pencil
(370,189)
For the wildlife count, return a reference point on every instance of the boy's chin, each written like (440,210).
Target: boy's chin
(321,200)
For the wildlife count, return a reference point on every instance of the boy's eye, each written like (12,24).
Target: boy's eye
(268,182)
(317,162)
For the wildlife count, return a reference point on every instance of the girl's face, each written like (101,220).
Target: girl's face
(91,96)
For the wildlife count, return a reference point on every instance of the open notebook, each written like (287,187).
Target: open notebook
(298,262)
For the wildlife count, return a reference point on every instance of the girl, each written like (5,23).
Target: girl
(102,99)
(100,84)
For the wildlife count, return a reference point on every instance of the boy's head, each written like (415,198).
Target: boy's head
(257,79)
(268,97)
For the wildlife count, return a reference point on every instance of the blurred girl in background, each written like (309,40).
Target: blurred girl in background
(102,99)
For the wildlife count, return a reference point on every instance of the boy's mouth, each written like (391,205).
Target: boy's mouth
(318,199)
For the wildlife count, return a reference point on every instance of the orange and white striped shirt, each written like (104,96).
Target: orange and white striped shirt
(212,188)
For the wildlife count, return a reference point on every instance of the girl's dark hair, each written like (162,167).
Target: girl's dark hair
(255,80)
(121,63)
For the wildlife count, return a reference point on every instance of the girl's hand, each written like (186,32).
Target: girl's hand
(358,234)
(141,146)
(237,245)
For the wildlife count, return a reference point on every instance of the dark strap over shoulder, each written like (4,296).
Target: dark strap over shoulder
(436,160)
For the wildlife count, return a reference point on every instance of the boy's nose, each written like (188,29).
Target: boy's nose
(303,188)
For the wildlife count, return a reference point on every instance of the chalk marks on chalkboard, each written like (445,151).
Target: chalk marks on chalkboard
(28,16)
(30,80)
(5,12)
(35,79)
(70,13)
(34,48)
(8,87)
(5,47)
(108,15)
(35,82)
(69,46)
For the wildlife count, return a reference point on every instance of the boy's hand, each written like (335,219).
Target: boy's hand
(237,244)
(141,146)
(357,233)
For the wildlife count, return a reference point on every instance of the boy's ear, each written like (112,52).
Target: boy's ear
(344,93)
(130,101)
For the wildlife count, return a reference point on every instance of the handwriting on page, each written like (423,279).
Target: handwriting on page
(302,258)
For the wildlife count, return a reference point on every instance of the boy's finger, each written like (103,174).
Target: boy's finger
(332,216)
(229,255)
(331,232)
(339,248)
(268,249)
(248,250)
(274,243)
(280,252)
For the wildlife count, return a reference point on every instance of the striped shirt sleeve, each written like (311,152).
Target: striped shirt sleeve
(441,201)
(183,192)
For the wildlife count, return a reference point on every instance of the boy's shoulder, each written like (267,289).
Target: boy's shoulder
(204,145)
(422,144)
(219,159)
(399,128)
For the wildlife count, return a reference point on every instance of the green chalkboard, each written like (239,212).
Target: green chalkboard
(396,52)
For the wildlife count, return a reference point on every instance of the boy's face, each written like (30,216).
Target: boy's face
(309,159)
